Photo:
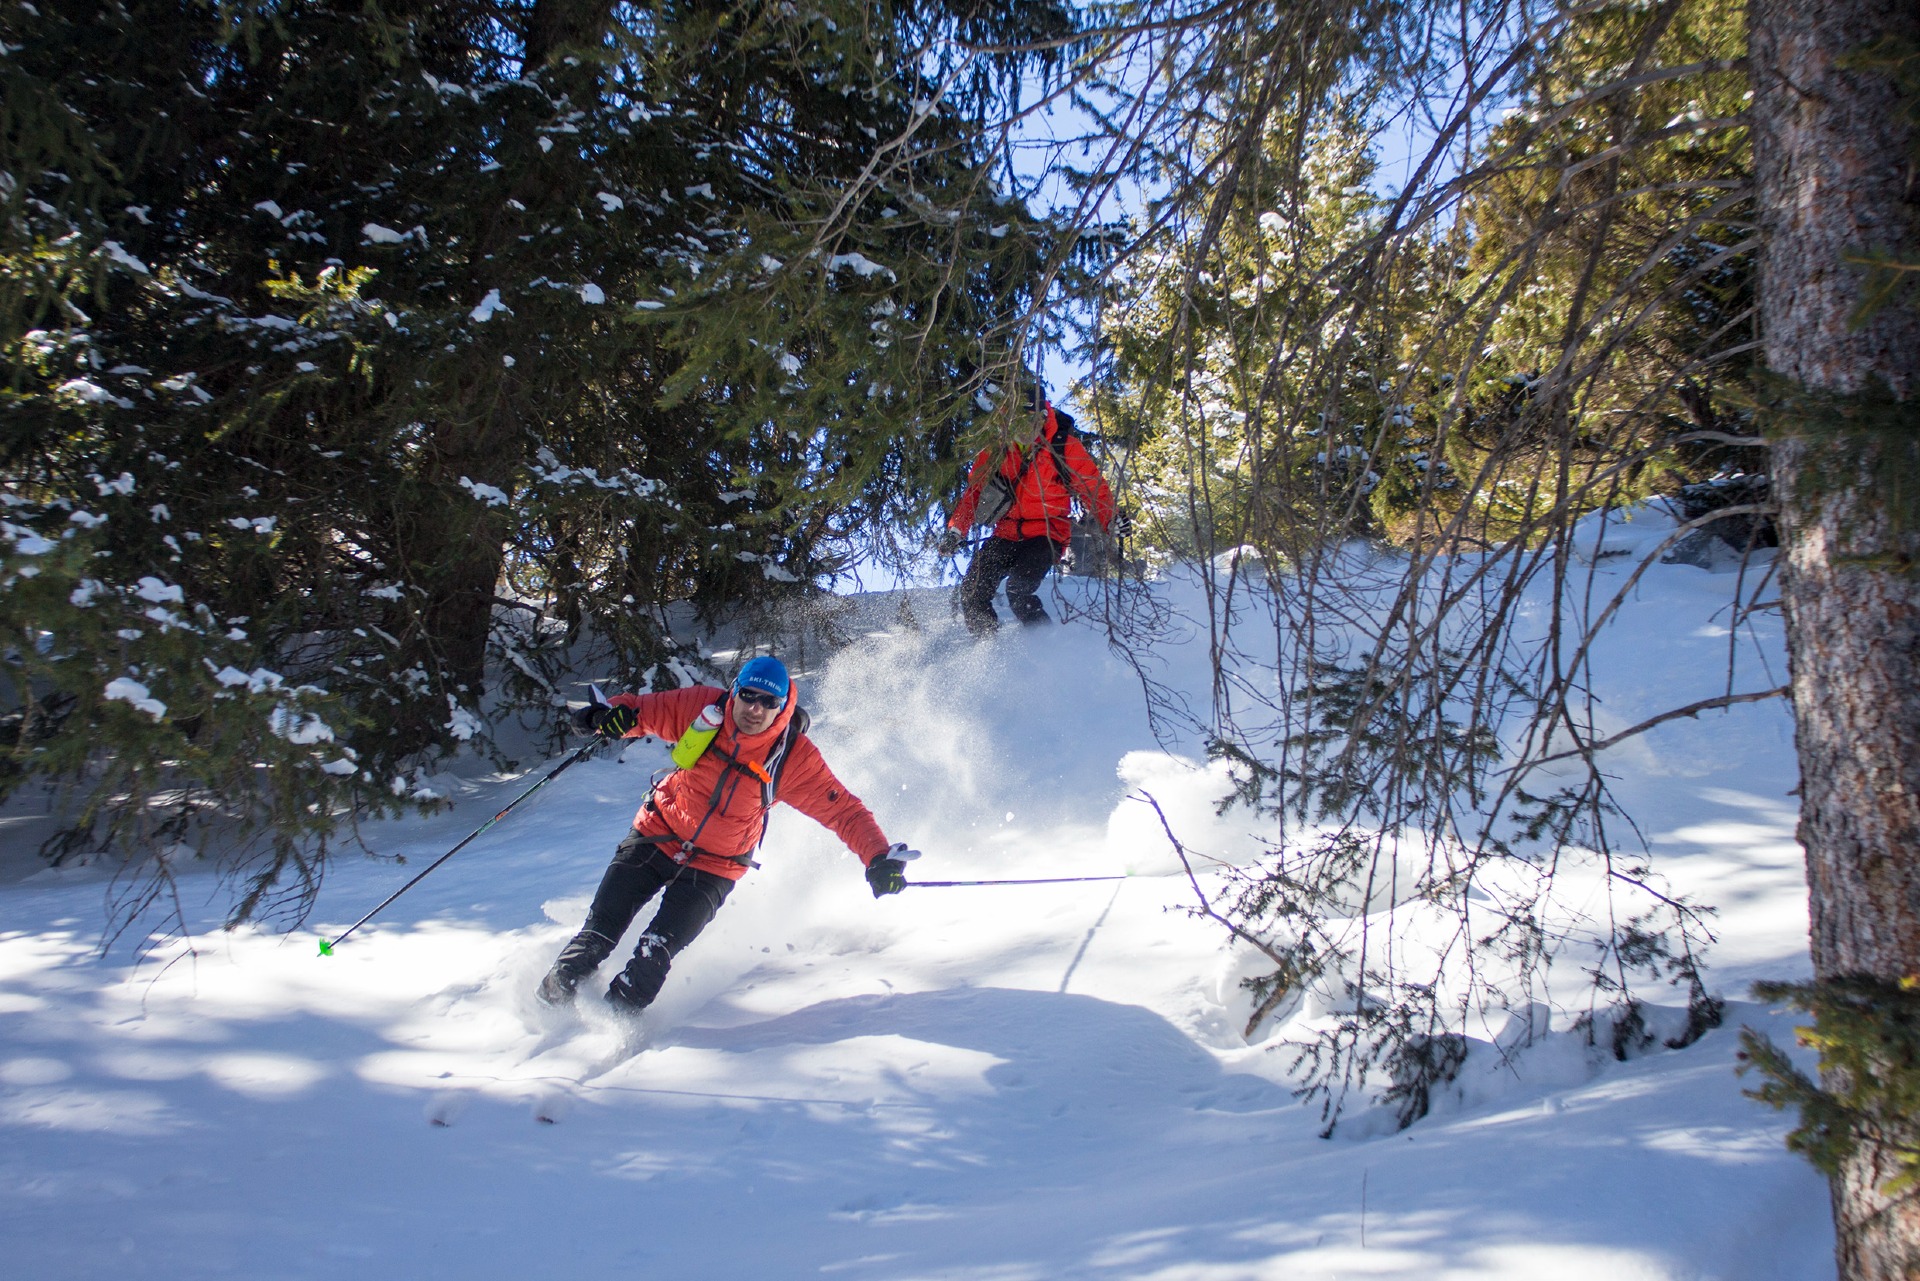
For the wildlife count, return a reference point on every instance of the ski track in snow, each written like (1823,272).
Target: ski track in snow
(980,1084)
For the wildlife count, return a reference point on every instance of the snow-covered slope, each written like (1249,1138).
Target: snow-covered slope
(1005,1083)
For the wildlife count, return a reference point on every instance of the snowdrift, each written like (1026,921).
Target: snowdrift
(1006,1083)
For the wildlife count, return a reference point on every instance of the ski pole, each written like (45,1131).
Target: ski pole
(326,948)
(1037,880)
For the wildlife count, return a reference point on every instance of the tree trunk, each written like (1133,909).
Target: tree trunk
(1834,172)
(458,544)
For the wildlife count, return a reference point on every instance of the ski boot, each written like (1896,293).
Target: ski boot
(634,988)
(579,958)
(558,988)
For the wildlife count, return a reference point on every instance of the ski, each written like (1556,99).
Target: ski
(552,1104)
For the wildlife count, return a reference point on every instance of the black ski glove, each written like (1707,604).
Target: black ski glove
(887,876)
(950,542)
(888,873)
(605,719)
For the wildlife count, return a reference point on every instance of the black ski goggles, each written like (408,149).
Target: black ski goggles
(758,698)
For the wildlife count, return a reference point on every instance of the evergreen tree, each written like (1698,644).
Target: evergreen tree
(1551,317)
(1203,336)
(324,322)
(1594,325)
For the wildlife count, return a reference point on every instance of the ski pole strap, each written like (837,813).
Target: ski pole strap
(1034,880)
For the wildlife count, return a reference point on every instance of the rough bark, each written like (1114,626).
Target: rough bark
(1834,174)
(459,544)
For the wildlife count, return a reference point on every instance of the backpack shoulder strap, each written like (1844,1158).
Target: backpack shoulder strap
(1034,450)
(777,758)
(776,763)
(1066,431)
(1028,455)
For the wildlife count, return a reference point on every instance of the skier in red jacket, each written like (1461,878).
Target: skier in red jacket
(1028,540)
(696,833)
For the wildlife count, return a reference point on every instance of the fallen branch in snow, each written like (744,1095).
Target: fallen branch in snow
(1284,965)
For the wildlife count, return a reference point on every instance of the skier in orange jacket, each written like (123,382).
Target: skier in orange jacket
(696,834)
(1029,539)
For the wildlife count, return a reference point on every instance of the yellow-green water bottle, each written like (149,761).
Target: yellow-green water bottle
(693,744)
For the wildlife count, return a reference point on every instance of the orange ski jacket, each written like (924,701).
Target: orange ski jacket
(1043,505)
(717,808)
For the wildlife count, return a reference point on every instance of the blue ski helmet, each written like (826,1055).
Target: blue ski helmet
(765,673)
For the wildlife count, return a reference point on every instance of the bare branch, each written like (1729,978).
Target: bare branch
(1690,710)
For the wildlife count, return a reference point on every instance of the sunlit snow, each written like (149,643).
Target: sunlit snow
(978,1084)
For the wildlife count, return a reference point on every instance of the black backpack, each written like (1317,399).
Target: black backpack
(997,495)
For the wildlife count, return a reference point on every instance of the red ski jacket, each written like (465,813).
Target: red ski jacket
(716,808)
(1043,505)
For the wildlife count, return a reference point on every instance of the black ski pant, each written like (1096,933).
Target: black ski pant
(639,871)
(1023,563)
